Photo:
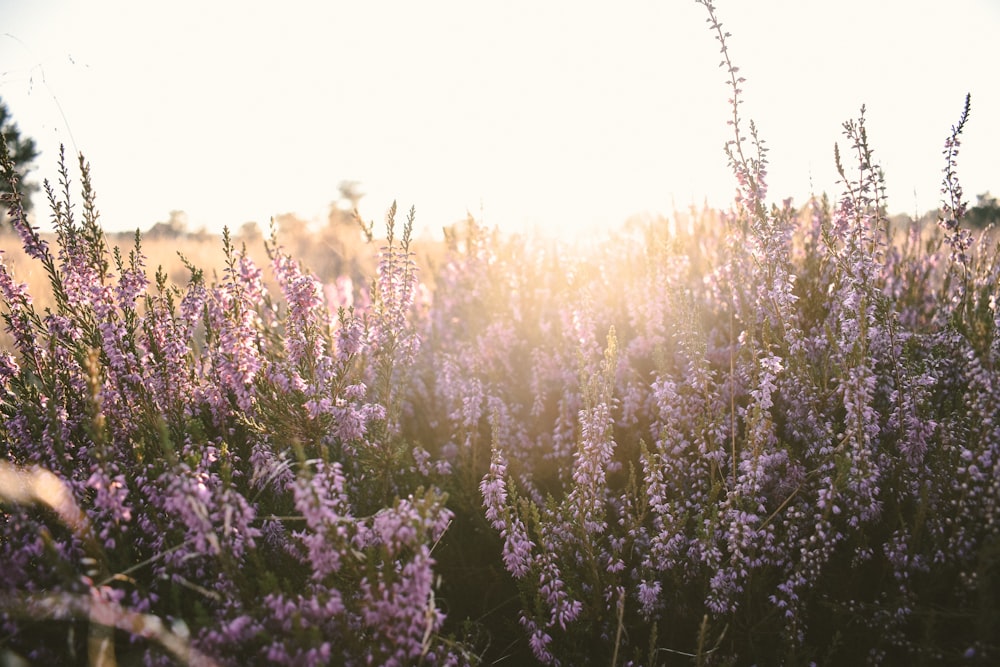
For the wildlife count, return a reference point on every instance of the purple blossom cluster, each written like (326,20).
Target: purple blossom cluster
(776,454)
(206,450)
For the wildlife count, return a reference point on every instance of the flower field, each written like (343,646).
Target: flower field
(766,435)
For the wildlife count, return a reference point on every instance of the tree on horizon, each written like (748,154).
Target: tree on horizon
(22,151)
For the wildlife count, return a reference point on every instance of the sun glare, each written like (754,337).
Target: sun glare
(568,122)
(692,415)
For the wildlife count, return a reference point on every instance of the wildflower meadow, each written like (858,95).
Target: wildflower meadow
(765,435)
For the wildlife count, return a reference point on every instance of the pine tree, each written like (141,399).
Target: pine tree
(22,152)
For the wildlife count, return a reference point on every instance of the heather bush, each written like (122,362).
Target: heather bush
(766,435)
(785,453)
(231,463)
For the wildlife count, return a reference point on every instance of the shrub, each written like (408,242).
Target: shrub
(764,435)
(222,461)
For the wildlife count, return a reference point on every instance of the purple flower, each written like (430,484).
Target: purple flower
(517,548)
(649,597)
(494,490)
(539,641)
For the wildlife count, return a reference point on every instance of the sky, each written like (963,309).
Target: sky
(563,117)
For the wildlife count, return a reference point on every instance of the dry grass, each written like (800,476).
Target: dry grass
(320,253)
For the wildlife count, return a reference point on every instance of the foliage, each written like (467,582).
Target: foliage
(985,212)
(230,465)
(22,152)
(765,435)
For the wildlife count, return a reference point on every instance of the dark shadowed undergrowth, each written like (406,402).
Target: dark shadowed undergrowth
(766,435)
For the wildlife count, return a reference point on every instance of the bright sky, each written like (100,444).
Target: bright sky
(561,115)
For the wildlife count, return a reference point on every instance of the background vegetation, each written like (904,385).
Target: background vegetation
(755,436)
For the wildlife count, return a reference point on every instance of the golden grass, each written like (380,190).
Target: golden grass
(327,255)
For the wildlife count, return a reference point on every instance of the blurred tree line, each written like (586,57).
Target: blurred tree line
(337,246)
(330,249)
(985,212)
